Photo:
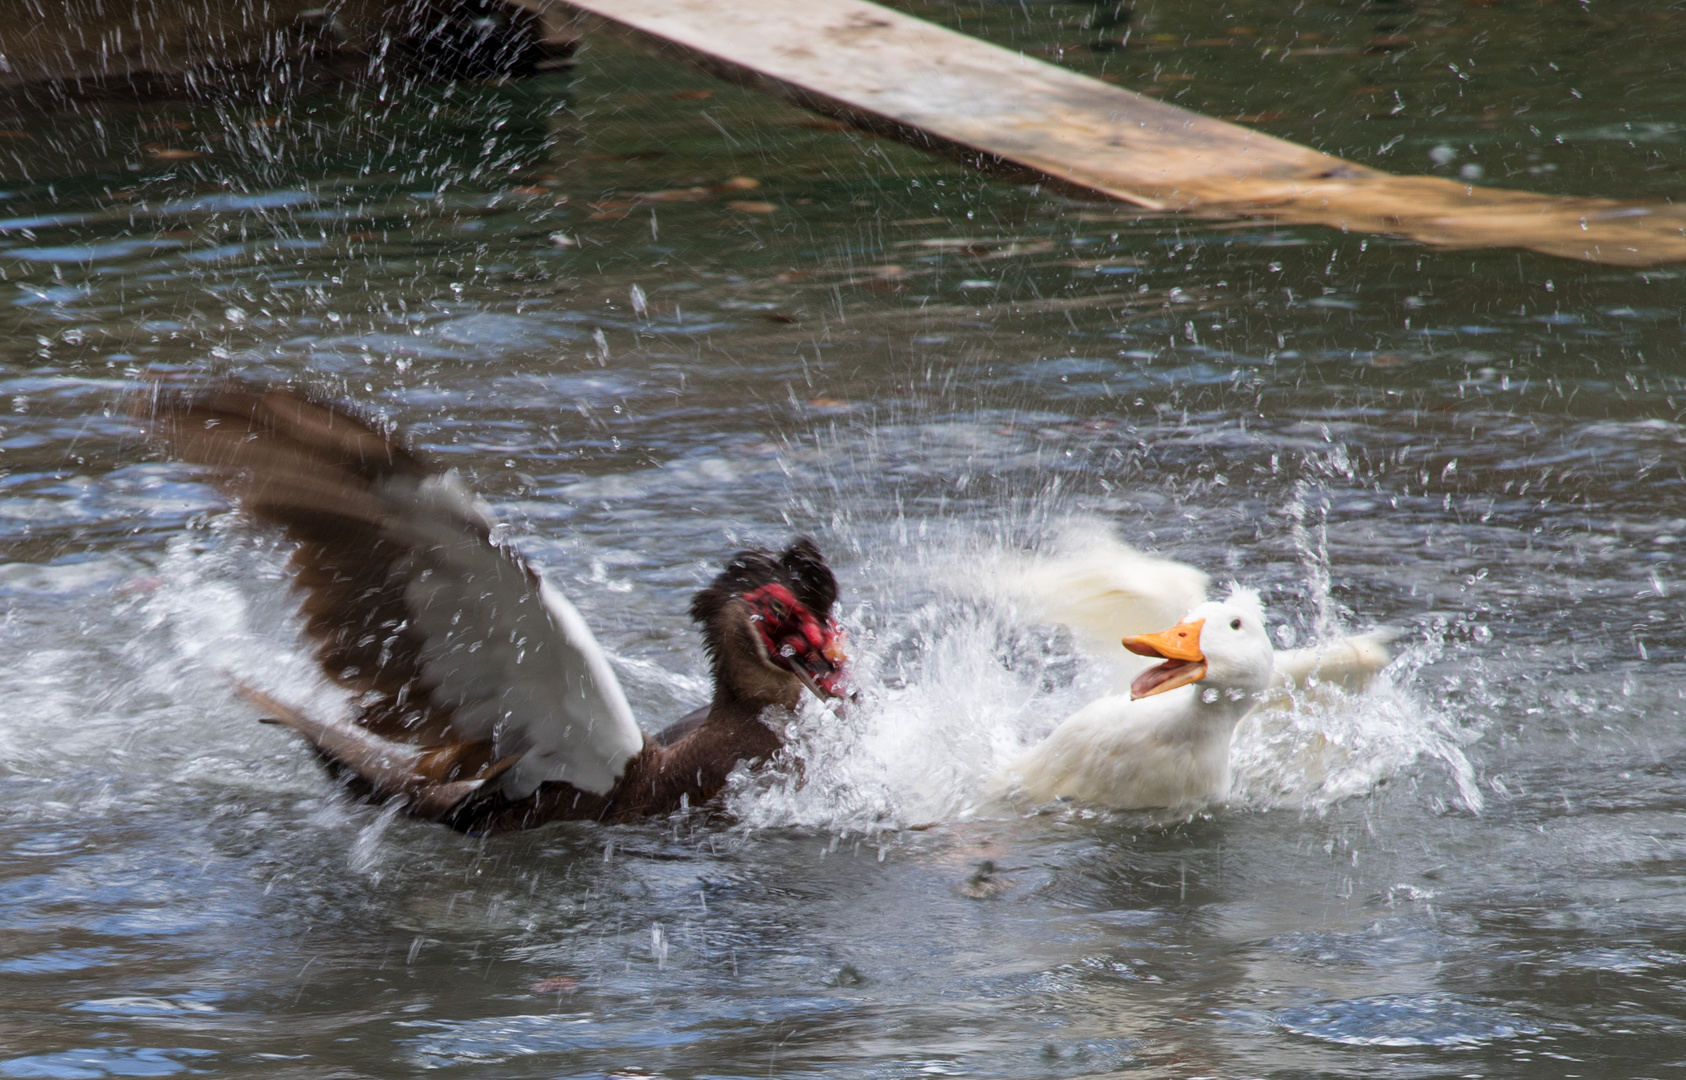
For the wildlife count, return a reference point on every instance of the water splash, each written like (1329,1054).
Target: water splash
(956,682)
(1317,748)
(225,625)
(959,686)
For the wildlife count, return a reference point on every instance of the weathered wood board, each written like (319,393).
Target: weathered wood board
(889,72)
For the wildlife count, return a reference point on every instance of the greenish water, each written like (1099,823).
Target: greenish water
(925,369)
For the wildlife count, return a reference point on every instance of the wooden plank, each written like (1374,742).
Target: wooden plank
(889,72)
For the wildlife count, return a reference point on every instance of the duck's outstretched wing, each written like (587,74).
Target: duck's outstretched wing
(1349,662)
(1101,588)
(468,668)
(1105,588)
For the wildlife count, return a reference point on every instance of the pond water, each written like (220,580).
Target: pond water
(1474,868)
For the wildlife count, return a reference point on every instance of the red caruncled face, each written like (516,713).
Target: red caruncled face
(798,640)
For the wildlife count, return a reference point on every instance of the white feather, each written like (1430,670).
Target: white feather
(1349,662)
(1104,588)
(505,651)
(1128,754)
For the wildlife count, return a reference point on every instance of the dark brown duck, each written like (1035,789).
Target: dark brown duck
(478,695)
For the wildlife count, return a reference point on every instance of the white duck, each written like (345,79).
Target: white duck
(1166,743)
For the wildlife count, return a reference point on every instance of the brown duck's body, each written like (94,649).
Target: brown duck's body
(449,786)
(481,699)
(658,779)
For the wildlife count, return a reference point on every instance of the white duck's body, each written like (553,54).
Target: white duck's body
(1167,742)
(1168,750)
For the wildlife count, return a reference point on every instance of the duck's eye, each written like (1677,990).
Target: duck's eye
(1235,624)
(777,609)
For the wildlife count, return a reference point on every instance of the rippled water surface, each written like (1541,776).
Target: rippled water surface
(571,289)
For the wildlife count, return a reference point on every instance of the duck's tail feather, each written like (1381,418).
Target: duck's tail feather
(423,778)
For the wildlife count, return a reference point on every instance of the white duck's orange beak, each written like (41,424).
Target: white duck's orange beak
(1179,647)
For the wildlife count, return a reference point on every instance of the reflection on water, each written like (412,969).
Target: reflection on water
(573,292)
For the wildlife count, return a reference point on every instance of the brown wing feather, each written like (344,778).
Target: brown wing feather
(310,466)
(355,614)
(468,668)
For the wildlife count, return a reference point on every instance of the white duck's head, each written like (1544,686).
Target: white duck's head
(1221,644)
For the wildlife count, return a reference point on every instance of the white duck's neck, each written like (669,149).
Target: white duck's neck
(1200,718)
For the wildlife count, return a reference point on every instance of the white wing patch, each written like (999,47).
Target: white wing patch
(1102,588)
(503,650)
(1107,589)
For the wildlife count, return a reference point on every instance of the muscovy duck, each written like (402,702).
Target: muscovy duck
(478,695)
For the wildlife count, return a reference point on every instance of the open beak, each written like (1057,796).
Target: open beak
(1179,647)
(813,651)
(808,681)
(824,671)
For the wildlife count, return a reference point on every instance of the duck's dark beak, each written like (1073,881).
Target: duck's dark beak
(810,682)
(1179,647)
(824,671)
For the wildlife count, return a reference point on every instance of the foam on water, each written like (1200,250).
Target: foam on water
(156,701)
